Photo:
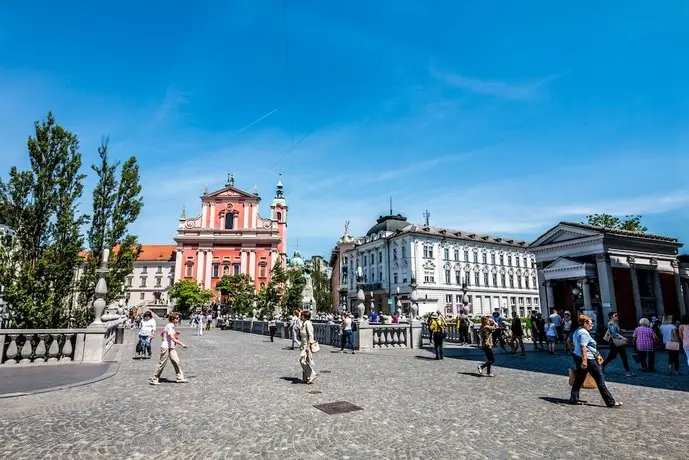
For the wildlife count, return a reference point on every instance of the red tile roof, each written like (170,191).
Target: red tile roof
(151,252)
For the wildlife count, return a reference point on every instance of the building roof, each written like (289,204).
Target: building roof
(150,252)
(157,253)
(615,231)
(389,223)
(462,235)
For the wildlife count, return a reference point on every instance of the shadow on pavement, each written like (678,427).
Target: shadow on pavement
(559,365)
(471,374)
(294,380)
(429,358)
(39,378)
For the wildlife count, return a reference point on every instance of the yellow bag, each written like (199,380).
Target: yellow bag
(589,383)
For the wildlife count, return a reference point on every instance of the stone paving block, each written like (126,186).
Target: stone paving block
(240,402)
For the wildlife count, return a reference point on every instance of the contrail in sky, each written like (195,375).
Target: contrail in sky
(255,121)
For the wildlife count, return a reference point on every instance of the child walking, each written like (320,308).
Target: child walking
(168,352)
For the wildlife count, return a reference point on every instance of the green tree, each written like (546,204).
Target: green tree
(115,207)
(630,223)
(294,288)
(41,205)
(321,287)
(240,293)
(189,296)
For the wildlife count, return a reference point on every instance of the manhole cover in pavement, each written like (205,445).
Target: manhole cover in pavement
(339,407)
(326,372)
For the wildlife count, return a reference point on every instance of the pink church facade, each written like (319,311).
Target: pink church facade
(230,237)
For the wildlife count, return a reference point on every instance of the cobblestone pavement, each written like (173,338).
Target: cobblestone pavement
(242,402)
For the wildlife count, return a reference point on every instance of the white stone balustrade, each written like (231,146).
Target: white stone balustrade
(366,336)
(52,346)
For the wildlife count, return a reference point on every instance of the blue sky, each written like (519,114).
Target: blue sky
(501,117)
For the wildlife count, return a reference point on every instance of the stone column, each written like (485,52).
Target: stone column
(678,288)
(212,219)
(252,216)
(222,220)
(586,287)
(242,258)
(550,296)
(199,265)
(686,297)
(635,288)
(246,216)
(607,290)
(204,214)
(179,262)
(252,264)
(209,268)
(660,305)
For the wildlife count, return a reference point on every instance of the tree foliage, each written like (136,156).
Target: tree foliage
(40,204)
(321,287)
(630,223)
(188,296)
(240,293)
(295,282)
(115,207)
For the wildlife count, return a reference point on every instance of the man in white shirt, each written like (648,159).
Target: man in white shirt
(347,334)
(557,322)
(296,327)
(168,352)
(146,330)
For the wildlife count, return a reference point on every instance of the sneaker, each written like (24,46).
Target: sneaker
(490,375)
(480,370)
(617,404)
(154,381)
(181,381)
(631,374)
(309,381)
(353,352)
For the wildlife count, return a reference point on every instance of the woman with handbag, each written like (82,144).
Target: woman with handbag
(671,342)
(617,343)
(684,335)
(588,361)
(309,346)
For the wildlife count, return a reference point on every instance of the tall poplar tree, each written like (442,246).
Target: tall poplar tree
(41,205)
(115,207)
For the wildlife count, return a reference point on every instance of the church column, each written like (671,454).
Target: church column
(252,216)
(586,287)
(685,289)
(681,299)
(243,257)
(245,215)
(178,265)
(212,219)
(607,290)
(660,305)
(199,265)
(252,264)
(223,216)
(209,267)
(204,214)
(550,295)
(635,288)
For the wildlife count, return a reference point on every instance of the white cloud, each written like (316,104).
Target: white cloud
(502,89)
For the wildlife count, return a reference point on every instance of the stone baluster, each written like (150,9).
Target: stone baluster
(40,351)
(54,350)
(12,351)
(27,350)
(67,349)
(101,289)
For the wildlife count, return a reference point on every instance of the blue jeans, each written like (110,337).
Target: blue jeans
(347,336)
(145,343)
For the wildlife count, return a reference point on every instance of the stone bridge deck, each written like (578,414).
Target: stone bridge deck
(242,402)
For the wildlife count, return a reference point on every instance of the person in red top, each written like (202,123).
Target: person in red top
(645,340)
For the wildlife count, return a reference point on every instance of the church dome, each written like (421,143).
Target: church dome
(388,224)
(296,261)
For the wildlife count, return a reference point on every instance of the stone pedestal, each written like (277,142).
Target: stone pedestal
(364,334)
(415,330)
(94,343)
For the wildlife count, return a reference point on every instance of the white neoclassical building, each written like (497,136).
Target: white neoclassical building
(444,264)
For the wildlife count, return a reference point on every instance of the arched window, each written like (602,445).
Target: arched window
(229,221)
(279,216)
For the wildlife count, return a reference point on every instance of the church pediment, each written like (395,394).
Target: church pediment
(230,192)
(564,232)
